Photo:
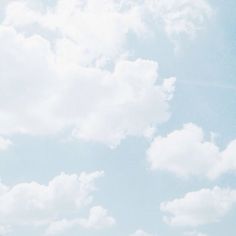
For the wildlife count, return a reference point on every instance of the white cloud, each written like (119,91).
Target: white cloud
(61,226)
(194,233)
(182,16)
(186,153)
(4,143)
(128,103)
(99,105)
(39,205)
(141,233)
(79,23)
(115,18)
(64,78)
(227,162)
(27,77)
(201,207)
(98,219)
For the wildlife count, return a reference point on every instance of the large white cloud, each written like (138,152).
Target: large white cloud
(42,205)
(66,65)
(201,207)
(99,104)
(185,152)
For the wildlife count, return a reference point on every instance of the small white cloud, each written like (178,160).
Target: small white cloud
(140,232)
(199,208)
(182,16)
(185,152)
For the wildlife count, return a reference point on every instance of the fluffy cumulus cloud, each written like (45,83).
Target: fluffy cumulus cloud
(42,205)
(201,207)
(185,152)
(141,233)
(67,66)
(57,91)
(100,105)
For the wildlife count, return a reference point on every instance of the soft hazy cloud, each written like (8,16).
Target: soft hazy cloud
(4,143)
(115,18)
(199,208)
(194,233)
(98,219)
(61,226)
(40,205)
(4,230)
(185,152)
(181,16)
(141,233)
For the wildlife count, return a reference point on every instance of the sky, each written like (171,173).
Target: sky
(117,117)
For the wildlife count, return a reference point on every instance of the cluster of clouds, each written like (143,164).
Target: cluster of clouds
(68,66)
(73,68)
(52,205)
(188,153)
